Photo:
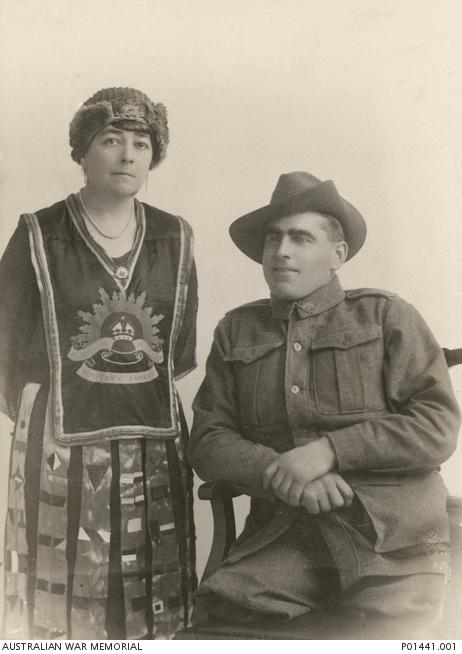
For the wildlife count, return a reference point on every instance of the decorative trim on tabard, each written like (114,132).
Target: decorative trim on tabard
(40,263)
(184,270)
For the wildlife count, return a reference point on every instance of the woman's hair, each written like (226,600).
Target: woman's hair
(118,106)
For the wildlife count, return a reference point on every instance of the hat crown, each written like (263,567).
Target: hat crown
(291,184)
(297,193)
(114,104)
(127,103)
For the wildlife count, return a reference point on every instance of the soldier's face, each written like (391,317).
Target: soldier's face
(298,255)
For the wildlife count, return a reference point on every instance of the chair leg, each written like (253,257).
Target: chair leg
(224,533)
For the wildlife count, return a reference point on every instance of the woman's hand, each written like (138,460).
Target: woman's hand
(293,470)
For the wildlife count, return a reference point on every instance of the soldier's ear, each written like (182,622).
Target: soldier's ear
(339,254)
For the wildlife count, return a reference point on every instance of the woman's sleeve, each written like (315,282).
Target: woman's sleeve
(185,348)
(19,308)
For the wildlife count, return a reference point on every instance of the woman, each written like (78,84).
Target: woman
(99,299)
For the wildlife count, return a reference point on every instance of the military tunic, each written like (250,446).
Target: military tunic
(361,367)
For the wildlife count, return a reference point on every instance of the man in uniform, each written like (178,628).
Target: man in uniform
(333,410)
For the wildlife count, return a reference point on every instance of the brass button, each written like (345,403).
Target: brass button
(297,346)
(295,389)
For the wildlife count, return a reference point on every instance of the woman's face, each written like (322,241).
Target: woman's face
(117,161)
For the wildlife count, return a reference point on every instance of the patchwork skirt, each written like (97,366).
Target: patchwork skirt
(99,538)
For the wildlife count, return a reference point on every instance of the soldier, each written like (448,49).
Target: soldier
(333,410)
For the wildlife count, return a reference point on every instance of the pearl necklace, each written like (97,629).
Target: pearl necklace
(98,229)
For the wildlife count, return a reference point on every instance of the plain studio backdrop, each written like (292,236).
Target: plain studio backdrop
(365,92)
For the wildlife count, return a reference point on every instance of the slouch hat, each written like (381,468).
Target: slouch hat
(295,193)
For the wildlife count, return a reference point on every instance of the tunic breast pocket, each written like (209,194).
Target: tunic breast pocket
(259,373)
(348,371)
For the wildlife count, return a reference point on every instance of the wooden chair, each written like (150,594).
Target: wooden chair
(325,626)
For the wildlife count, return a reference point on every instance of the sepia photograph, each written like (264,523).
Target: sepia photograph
(230,320)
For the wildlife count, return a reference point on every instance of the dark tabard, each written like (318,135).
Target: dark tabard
(100,537)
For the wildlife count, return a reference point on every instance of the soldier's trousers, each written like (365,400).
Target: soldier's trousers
(281,582)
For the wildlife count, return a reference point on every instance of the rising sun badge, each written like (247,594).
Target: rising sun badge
(119,342)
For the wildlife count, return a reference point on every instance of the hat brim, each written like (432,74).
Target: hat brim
(248,232)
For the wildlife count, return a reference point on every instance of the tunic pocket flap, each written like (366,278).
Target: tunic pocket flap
(365,478)
(249,353)
(412,514)
(347,338)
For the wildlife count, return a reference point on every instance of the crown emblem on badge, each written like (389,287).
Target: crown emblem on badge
(123,330)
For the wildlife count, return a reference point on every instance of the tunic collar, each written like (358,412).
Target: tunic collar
(317,302)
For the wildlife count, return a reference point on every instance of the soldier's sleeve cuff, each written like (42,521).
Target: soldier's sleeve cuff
(348,449)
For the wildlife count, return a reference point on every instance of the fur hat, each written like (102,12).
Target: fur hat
(109,106)
(296,193)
